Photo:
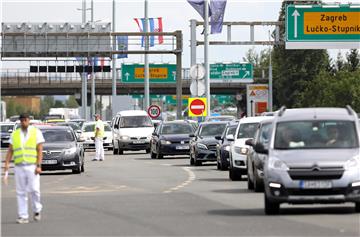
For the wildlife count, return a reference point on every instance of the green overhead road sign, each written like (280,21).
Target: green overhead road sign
(232,72)
(322,26)
(159,73)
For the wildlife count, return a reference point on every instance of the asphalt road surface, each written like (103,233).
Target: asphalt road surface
(133,195)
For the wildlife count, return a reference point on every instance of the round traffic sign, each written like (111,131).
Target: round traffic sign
(197,72)
(197,107)
(154,111)
(197,87)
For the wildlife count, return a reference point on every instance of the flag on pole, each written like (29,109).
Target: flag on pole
(155,25)
(217,17)
(198,5)
(122,44)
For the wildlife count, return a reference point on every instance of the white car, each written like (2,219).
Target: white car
(238,150)
(6,129)
(88,132)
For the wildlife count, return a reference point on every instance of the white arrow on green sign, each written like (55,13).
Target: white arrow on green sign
(159,73)
(231,72)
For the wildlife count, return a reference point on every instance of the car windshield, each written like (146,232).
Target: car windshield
(74,126)
(208,130)
(176,128)
(6,128)
(247,130)
(57,135)
(91,127)
(107,127)
(316,135)
(135,122)
(231,130)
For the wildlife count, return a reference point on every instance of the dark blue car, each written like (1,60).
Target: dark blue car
(222,151)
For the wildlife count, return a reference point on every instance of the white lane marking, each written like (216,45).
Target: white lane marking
(191,178)
(166,164)
(83,189)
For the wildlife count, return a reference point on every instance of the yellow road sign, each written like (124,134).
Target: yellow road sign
(197,107)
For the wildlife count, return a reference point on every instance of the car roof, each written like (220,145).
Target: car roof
(132,113)
(215,122)
(256,119)
(315,113)
(52,127)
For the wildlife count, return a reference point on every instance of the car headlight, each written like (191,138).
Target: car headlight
(353,163)
(70,151)
(201,146)
(227,148)
(124,138)
(241,150)
(275,163)
(164,142)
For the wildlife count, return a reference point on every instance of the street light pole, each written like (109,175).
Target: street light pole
(270,80)
(146,61)
(206,57)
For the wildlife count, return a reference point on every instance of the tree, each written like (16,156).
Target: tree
(45,104)
(71,102)
(260,61)
(293,70)
(339,64)
(58,104)
(353,59)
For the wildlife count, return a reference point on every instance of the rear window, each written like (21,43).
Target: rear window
(177,128)
(207,130)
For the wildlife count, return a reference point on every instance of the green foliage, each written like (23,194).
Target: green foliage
(71,102)
(259,61)
(58,104)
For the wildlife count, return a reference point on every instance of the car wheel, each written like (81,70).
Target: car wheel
(147,151)
(82,167)
(218,166)
(223,166)
(153,155)
(77,170)
(271,208)
(115,150)
(357,207)
(159,155)
(197,162)
(250,184)
(192,162)
(258,187)
(234,176)
(120,152)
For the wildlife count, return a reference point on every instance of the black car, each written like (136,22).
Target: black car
(255,161)
(223,148)
(203,144)
(171,138)
(5,133)
(61,150)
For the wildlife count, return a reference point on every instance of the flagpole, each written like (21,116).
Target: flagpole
(146,63)
(206,55)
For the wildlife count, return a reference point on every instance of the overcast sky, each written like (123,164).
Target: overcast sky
(175,14)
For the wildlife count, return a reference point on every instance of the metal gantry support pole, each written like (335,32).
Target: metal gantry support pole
(270,80)
(93,98)
(206,57)
(178,75)
(146,61)
(84,75)
(113,70)
(192,42)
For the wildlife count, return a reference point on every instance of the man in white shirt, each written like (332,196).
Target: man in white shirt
(26,150)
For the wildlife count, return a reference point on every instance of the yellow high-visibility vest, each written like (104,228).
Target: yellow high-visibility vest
(24,153)
(99,124)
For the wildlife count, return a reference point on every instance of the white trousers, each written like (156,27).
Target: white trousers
(27,182)
(99,146)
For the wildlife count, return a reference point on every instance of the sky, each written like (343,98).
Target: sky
(176,15)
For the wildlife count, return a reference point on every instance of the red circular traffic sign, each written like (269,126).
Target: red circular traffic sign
(154,111)
(197,107)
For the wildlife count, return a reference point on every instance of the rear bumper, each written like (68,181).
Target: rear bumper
(133,146)
(174,149)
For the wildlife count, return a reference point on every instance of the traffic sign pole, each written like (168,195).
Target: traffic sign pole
(206,55)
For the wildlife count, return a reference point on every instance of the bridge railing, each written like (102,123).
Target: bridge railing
(13,77)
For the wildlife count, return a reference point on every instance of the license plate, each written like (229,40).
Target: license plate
(49,162)
(316,184)
(139,142)
(182,147)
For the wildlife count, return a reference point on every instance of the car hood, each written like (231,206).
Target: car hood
(136,132)
(208,140)
(58,146)
(308,158)
(175,137)
(241,142)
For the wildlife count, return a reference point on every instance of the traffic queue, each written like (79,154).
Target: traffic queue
(296,156)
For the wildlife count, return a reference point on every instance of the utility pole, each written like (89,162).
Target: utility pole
(270,80)
(146,62)
(84,74)
(113,94)
(206,57)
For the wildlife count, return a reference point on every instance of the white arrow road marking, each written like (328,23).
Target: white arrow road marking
(295,15)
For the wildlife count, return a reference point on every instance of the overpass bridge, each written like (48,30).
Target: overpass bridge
(28,84)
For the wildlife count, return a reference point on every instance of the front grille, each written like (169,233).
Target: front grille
(316,173)
(316,192)
(180,142)
(211,147)
(137,138)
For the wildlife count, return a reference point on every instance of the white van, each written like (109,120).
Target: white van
(132,130)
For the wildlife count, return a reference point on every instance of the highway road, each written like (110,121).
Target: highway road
(133,195)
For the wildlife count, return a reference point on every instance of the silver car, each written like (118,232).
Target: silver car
(313,157)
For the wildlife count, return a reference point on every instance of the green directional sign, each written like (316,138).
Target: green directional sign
(158,73)
(231,72)
(323,26)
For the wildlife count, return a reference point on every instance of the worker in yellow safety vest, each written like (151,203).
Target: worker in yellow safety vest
(99,135)
(26,150)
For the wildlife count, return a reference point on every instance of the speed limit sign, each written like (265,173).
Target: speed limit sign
(154,111)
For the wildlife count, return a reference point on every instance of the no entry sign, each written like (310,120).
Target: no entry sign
(154,111)
(197,107)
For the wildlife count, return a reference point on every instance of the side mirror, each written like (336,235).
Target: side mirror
(249,142)
(230,138)
(10,131)
(78,131)
(259,148)
(218,137)
(192,135)
(154,134)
